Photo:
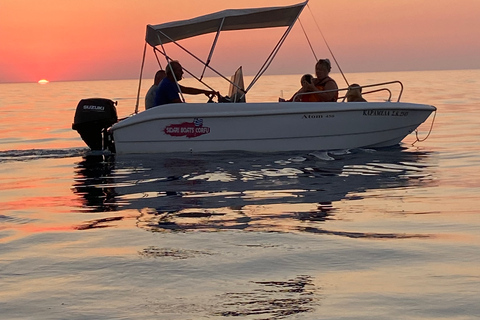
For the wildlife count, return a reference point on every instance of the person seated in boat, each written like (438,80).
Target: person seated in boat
(306,78)
(168,90)
(150,96)
(354,93)
(322,82)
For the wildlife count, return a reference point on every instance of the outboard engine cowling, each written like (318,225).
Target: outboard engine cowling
(92,119)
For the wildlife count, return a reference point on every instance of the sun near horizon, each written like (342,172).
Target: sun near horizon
(43,81)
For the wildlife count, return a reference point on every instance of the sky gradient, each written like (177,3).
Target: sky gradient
(92,40)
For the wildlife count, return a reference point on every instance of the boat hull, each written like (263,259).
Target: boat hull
(267,127)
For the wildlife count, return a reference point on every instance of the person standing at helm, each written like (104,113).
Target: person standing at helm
(167,91)
(322,82)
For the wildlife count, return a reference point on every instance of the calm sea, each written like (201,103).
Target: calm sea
(365,234)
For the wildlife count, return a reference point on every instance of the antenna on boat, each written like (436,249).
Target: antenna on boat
(326,43)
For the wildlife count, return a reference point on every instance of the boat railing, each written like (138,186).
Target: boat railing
(381,89)
(369,92)
(342,98)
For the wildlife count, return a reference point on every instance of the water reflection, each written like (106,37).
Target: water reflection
(93,183)
(271,299)
(282,192)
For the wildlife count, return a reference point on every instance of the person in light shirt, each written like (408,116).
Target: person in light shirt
(150,96)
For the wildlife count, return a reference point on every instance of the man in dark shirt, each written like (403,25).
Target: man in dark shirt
(168,90)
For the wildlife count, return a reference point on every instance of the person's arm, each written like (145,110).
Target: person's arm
(307,87)
(190,90)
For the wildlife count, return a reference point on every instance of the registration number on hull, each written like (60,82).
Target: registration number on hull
(385,113)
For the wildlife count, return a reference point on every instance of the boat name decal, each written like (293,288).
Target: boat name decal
(318,116)
(386,113)
(91,107)
(187,129)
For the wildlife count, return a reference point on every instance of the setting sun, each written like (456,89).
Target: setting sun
(43,81)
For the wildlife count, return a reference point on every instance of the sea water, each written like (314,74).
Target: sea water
(361,234)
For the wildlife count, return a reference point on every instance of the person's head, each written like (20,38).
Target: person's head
(159,76)
(306,79)
(355,88)
(354,91)
(174,70)
(322,68)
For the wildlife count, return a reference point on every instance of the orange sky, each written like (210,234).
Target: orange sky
(92,39)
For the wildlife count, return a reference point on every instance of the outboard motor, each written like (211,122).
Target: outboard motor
(92,119)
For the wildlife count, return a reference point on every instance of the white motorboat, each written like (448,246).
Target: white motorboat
(268,127)
(259,127)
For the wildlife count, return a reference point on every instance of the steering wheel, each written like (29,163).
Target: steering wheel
(210,98)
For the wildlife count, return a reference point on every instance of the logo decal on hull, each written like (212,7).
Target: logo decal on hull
(187,129)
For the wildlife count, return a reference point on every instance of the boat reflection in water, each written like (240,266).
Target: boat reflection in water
(94,183)
(281,192)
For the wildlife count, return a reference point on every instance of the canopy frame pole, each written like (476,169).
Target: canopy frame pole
(272,55)
(328,46)
(206,65)
(170,66)
(191,74)
(141,76)
(308,40)
(158,60)
(197,58)
(260,72)
(269,60)
(212,49)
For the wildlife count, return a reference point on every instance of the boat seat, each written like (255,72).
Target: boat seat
(237,87)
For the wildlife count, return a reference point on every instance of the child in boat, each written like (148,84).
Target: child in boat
(354,93)
(304,80)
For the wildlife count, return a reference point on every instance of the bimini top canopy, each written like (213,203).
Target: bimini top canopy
(233,19)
